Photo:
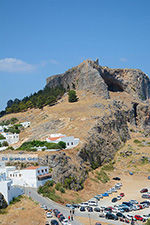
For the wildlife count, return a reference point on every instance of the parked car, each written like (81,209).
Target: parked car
(119,197)
(114,200)
(92,203)
(144,190)
(68,205)
(116,178)
(98,223)
(133,202)
(102,214)
(65,222)
(146,196)
(140,218)
(111,216)
(122,195)
(97,209)
(84,204)
(119,214)
(54,222)
(105,194)
(82,209)
(89,209)
(49,215)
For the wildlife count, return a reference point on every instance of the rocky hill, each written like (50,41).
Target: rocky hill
(90,76)
(112,103)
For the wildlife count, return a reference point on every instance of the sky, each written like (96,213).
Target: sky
(40,38)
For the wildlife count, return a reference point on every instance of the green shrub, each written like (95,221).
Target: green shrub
(102,176)
(136,141)
(58,186)
(5,143)
(108,167)
(2,137)
(72,97)
(62,190)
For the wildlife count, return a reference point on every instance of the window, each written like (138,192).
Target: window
(45,170)
(67,143)
(71,143)
(10,175)
(16,175)
(8,188)
(19,175)
(13,175)
(42,171)
(38,171)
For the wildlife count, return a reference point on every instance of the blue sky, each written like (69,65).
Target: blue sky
(39,38)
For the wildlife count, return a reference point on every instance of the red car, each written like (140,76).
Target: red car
(144,190)
(122,194)
(138,217)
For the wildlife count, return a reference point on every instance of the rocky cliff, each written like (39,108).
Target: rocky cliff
(65,171)
(90,76)
(3,203)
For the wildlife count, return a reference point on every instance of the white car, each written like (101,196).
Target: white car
(49,215)
(66,222)
(118,197)
(84,204)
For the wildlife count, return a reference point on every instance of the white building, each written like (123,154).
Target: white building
(10,138)
(6,188)
(70,141)
(30,177)
(25,124)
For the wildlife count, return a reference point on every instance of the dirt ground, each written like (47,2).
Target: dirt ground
(25,212)
(87,221)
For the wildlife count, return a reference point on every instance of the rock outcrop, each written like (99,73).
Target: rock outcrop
(105,139)
(90,76)
(64,171)
(3,203)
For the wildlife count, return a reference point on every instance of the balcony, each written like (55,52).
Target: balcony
(44,177)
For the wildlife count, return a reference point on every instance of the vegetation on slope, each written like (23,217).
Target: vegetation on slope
(31,145)
(47,96)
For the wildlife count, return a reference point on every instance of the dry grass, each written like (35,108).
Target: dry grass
(24,212)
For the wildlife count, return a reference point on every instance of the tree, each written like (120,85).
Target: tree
(62,144)
(5,143)
(72,97)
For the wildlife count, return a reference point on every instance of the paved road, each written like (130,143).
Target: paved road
(66,211)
